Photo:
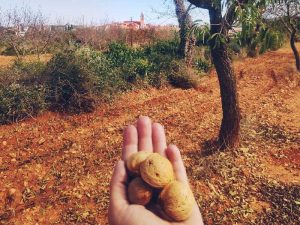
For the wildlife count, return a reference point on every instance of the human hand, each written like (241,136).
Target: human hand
(149,137)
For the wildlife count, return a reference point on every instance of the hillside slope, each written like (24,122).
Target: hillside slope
(55,169)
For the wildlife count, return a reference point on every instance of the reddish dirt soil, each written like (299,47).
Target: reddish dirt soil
(55,169)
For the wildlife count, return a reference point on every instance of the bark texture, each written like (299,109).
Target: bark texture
(288,12)
(230,127)
(294,48)
(187,41)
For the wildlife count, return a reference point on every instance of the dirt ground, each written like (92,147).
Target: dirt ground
(55,169)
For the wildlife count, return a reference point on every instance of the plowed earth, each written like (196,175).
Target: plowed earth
(55,169)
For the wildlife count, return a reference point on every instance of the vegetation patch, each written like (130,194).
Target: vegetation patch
(19,101)
(78,78)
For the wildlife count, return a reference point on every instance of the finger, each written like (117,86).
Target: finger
(130,142)
(159,139)
(144,128)
(174,156)
(118,197)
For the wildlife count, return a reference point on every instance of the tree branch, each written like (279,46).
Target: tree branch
(189,8)
(230,15)
(204,4)
(285,24)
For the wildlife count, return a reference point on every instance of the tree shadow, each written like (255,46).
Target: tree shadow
(210,147)
(207,148)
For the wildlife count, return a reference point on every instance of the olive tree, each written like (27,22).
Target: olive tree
(288,13)
(223,14)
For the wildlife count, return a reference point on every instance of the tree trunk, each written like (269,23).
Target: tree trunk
(253,44)
(230,127)
(185,23)
(190,48)
(295,51)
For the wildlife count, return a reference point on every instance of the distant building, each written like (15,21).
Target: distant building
(139,25)
(21,30)
(135,24)
(132,24)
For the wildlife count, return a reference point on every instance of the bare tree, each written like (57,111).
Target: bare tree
(14,23)
(223,15)
(1,17)
(38,34)
(1,25)
(187,41)
(25,31)
(288,13)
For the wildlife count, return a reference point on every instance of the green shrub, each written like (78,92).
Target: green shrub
(30,68)
(183,77)
(161,67)
(77,78)
(142,66)
(71,85)
(131,63)
(157,79)
(22,93)
(257,42)
(202,34)
(120,54)
(29,73)
(8,76)
(272,40)
(167,48)
(203,65)
(21,72)
(111,79)
(149,65)
(19,101)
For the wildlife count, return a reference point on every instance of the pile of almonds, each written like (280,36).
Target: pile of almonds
(152,173)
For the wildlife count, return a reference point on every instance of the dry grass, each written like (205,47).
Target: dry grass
(8,60)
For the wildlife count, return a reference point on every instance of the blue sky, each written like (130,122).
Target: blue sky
(100,11)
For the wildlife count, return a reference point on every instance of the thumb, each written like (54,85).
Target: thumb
(174,156)
(118,187)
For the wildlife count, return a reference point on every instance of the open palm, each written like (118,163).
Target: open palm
(145,136)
